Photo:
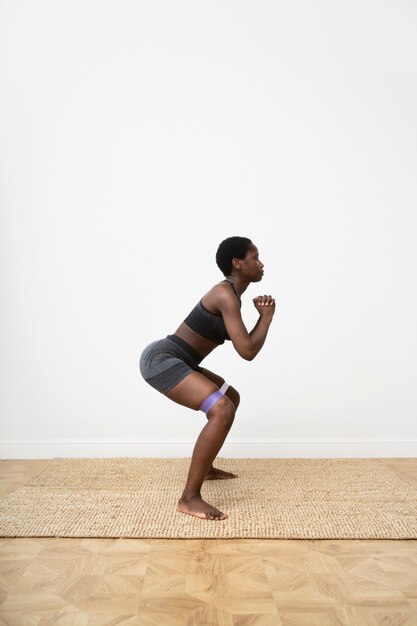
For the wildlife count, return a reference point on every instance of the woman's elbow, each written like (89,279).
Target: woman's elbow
(248,355)
(246,351)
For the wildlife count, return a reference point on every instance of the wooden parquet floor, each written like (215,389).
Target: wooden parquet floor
(250,582)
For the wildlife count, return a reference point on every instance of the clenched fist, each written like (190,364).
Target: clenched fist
(265,305)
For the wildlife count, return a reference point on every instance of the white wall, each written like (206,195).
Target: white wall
(135,136)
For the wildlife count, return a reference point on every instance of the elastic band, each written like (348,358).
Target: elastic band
(224,387)
(206,405)
(213,397)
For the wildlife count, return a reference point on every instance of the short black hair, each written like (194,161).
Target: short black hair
(231,248)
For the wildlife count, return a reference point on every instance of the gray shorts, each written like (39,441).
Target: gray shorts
(165,362)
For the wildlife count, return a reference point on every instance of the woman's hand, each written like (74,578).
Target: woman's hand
(265,305)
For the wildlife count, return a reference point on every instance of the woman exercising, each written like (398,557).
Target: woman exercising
(172,364)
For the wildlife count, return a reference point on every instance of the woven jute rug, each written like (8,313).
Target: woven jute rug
(271,498)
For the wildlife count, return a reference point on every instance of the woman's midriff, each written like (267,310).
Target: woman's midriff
(200,344)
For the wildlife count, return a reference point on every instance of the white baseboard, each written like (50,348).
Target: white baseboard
(19,449)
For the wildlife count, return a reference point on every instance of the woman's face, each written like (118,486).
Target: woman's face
(252,266)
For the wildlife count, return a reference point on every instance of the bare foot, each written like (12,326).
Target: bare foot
(215,473)
(197,507)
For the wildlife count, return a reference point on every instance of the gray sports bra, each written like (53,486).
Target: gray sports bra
(207,324)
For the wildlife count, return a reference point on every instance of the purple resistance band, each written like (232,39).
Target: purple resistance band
(212,398)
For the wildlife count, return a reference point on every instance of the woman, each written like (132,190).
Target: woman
(172,365)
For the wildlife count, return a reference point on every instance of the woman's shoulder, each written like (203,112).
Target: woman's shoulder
(224,286)
(220,291)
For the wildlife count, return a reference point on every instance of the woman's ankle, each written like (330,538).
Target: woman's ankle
(191,495)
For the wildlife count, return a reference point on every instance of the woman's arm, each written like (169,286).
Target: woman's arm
(265,305)
(247,344)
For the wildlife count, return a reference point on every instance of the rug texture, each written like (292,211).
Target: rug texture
(271,499)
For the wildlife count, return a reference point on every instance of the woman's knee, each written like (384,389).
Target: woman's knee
(233,394)
(223,409)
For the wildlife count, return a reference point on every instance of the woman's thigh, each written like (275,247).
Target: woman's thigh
(231,392)
(192,390)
